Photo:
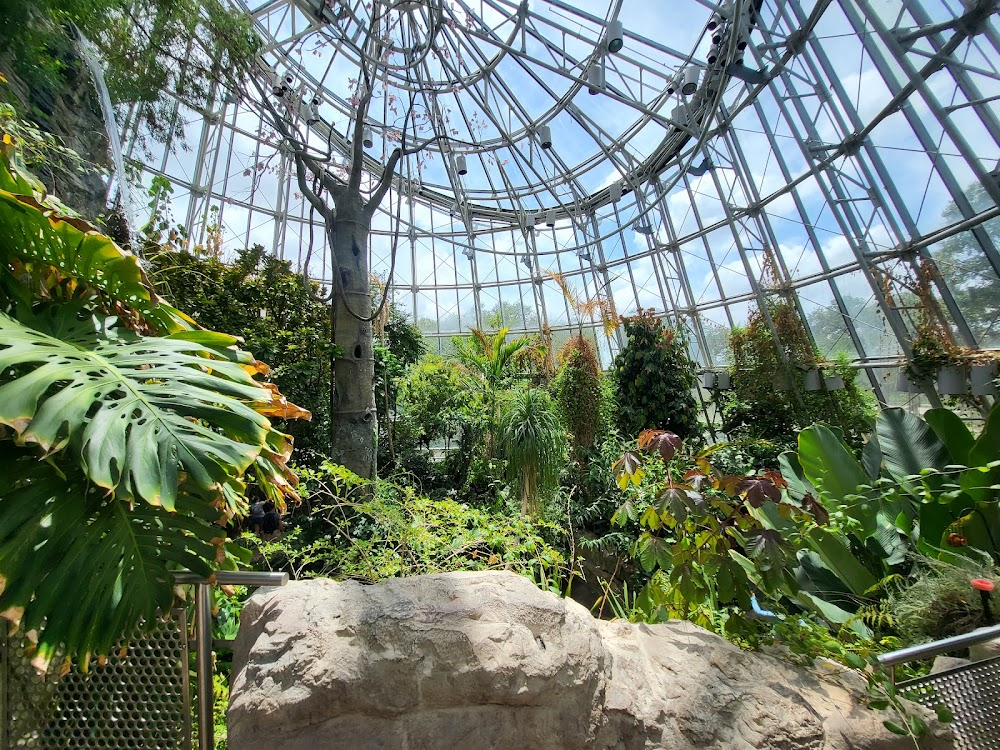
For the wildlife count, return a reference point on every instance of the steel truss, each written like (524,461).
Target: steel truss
(824,181)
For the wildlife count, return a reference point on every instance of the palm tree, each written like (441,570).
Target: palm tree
(532,440)
(490,363)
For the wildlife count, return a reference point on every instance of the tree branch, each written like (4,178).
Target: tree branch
(357,145)
(390,167)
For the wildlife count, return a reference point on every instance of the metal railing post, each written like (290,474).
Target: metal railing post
(203,661)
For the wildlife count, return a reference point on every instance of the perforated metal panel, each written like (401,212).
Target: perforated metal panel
(972,693)
(138,700)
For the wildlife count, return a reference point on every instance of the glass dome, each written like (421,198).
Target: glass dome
(841,155)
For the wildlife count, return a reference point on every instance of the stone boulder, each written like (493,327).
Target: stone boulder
(468,661)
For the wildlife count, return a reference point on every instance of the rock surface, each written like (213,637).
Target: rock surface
(468,661)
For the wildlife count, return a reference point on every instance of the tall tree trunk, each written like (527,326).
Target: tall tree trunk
(352,413)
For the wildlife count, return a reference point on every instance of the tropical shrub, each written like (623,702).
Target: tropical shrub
(398,344)
(654,377)
(372,530)
(577,392)
(924,486)
(260,299)
(768,399)
(533,444)
(128,432)
(703,538)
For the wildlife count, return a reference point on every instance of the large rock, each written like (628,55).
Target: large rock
(464,661)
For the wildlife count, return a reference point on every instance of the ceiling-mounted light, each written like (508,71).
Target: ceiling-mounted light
(615,36)
(534,217)
(526,262)
(583,254)
(367,139)
(550,217)
(700,169)
(643,228)
(743,38)
(595,78)
(545,136)
(713,54)
(274,81)
(718,35)
(714,21)
(412,234)
(460,166)
(309,113)
(689,80)
(469,253)
(615,192)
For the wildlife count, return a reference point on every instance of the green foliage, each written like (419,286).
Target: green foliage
(654,378)
(577,391)
(703,535)
(769,400)
(533,443)
(123,453)
(939,602)
(376,530)
(912,497)
(152,50)
(398,345)
(258,298)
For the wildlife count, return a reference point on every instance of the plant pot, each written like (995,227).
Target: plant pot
(983,378)
(951,381)
(708,380)
(834,383)
(724,381)
(813,380)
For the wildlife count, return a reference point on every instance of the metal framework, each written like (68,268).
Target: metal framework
(839,153)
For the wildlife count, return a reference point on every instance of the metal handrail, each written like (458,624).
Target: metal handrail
(235,578)
(203,634)
(927,650)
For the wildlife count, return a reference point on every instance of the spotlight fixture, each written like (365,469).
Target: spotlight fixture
(412,234)
(715,21)
(615,36)
(643,228)
(583,254)
(713,55)
(367,139)
(274,81)
(469,253)
(700,169)
(309,113)
(689,80)
(550,217)
(545,136)
(460,166)
(526,262)
(615,192)
(595,78)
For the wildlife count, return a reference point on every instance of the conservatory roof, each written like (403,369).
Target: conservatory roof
(724,154)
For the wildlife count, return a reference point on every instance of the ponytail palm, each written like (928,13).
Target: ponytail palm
(533,442)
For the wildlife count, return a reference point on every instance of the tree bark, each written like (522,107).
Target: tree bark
(353,416)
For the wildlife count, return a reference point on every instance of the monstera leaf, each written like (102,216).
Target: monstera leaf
(38,230)
(141,415)
(79,568)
